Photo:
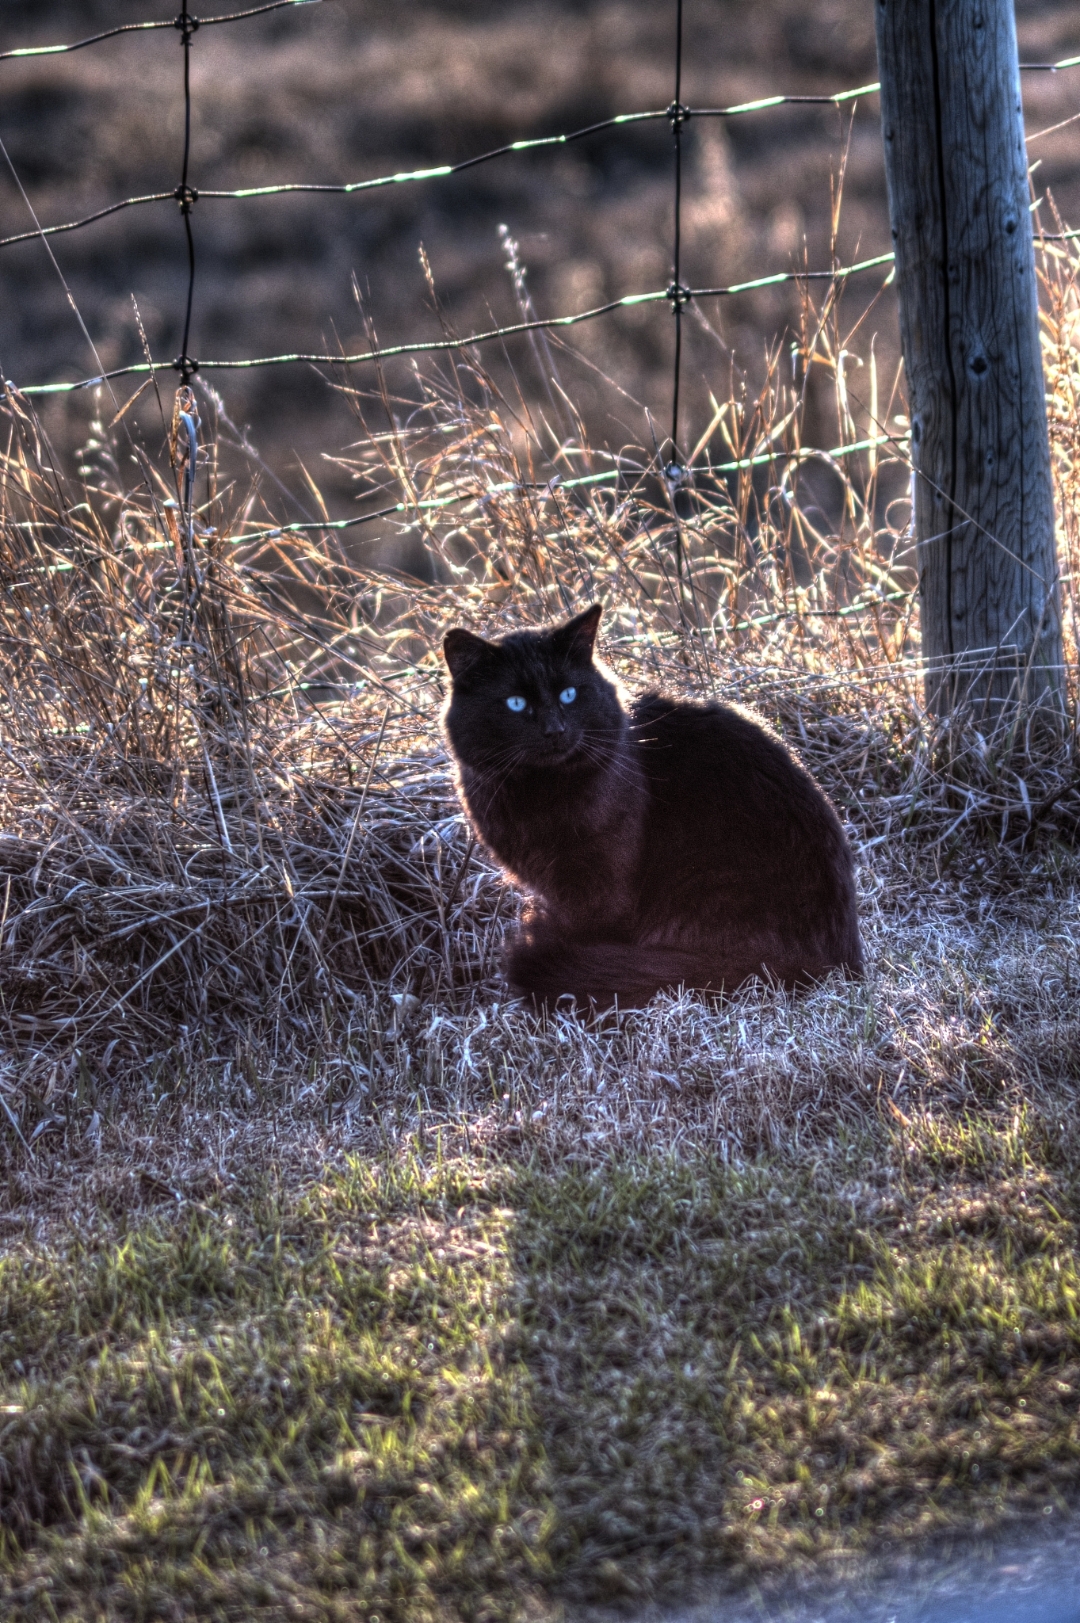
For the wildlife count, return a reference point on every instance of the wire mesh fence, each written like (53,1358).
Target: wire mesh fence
(675,296)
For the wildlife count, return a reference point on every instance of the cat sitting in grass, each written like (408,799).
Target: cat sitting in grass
(662,843)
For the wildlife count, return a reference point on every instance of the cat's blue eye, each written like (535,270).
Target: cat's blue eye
(515,703)
(568,695)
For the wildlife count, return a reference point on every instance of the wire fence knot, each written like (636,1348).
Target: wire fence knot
(678,114)
(187,25)
(680,296)
(186,196)
(187,366)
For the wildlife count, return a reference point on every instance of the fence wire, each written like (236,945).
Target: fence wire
(186,195)
(27,51)
(446,170)
(436,172)
(435,345)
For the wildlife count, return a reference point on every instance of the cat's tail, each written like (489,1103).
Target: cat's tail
(601,973)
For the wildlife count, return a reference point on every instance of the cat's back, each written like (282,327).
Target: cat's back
(716,748)
(729,805)
(744,860)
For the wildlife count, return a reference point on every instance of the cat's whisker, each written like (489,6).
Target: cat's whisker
(489,783)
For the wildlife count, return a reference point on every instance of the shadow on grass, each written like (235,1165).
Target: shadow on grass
(468,1389)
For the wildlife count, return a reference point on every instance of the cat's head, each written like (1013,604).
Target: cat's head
(532,699)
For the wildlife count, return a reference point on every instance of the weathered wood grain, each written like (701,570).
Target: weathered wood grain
(958,196)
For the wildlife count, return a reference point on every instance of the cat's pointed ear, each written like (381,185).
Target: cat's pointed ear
(462,650)
(579,634)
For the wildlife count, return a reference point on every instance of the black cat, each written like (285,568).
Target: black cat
(663,844)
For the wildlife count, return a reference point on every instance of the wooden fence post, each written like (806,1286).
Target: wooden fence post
(958,197)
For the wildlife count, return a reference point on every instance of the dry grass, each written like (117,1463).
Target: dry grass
(334,1280)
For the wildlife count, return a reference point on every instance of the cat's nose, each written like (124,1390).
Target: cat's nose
(552,724)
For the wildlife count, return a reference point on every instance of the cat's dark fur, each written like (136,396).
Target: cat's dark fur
(666,844)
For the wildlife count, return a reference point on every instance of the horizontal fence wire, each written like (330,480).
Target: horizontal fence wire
(866,601)
(439,171)
(446,170)
(435,345)
(611,476)
(28,51)
(511,487)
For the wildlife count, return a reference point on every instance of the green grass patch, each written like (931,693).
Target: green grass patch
(286,1409)
(425,1390)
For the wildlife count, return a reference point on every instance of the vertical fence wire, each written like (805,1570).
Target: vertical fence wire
(677,293)
(674,472)
(186,195)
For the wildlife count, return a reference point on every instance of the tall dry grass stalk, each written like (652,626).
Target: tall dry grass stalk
(225,813)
